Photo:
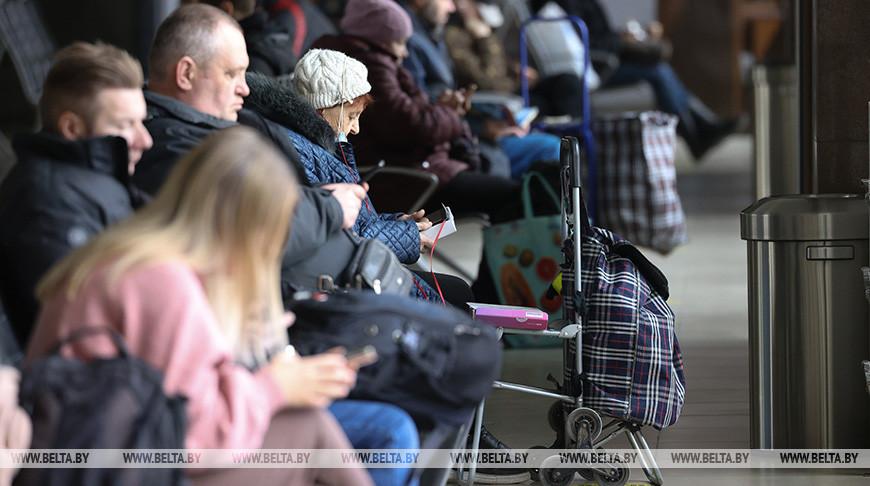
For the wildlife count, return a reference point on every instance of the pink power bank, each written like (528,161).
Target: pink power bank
(510,317)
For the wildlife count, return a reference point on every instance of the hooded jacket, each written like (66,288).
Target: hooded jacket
(402,126)
(325,162)
(59,195)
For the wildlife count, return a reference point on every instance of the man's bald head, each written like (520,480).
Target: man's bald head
(199,57)
(192,30)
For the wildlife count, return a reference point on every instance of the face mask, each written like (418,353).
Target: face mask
(342,135)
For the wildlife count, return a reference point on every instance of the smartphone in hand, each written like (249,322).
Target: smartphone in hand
(364,356)
(437,217)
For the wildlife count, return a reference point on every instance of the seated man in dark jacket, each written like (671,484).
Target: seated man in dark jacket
(72,178)
(194,91)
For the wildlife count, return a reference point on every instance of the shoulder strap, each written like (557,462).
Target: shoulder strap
(88,331)
(647,269)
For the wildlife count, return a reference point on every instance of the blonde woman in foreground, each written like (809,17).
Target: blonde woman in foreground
(191,283)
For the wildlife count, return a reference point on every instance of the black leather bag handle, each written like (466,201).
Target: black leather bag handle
(88,331)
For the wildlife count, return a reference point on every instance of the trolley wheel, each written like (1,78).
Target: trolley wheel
(534,472)
(618,476)
(584,418)
(556,416)
(586,474)
(555,476)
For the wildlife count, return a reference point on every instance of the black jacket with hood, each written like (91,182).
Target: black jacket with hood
(59,195)
(317,245)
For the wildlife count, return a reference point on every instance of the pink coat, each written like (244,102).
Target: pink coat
(162,313)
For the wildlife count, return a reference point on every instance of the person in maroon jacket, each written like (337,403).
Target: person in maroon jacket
(403,127)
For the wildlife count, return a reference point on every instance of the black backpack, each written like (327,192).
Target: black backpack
(114,403)
(434,361)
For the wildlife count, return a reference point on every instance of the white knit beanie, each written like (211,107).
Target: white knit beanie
(327,78)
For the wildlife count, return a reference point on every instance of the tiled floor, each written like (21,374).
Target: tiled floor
(708,293)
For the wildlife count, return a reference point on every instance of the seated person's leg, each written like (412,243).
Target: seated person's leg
(671,95)
(470,192)
(559,95)
(525,151)
(456,291)
(373,425)
(293,429)
(499,198)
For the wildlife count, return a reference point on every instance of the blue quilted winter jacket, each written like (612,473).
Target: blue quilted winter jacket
(324,167)
(314,139)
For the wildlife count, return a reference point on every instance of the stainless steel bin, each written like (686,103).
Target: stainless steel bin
(777,167)
(807,321)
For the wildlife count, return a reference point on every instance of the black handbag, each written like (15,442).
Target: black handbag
(374,266)
(433,360)
(106,403)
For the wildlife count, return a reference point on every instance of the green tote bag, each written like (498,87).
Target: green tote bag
(524,255)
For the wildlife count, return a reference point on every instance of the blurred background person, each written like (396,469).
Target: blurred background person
(643,55)
(429,62)
(72,179)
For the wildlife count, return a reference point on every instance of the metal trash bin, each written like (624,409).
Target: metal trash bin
(808,319)
(775,115)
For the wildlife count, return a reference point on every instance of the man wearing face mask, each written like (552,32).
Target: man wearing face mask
(73,177)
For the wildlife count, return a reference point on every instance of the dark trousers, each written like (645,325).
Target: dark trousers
(559,95)
(456,292)
(472,192)
(671,95)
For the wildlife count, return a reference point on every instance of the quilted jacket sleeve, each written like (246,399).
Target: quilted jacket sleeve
(401,236)
(322,168)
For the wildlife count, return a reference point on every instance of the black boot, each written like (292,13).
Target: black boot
(487,440)
(710,136)
(495,475)
(708,129)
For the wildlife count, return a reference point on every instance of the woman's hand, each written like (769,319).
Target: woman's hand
(423,224)
(420,218)
(455,100)
(313,381)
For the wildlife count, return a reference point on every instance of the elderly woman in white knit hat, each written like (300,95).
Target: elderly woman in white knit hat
(335,85)
(321,106)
